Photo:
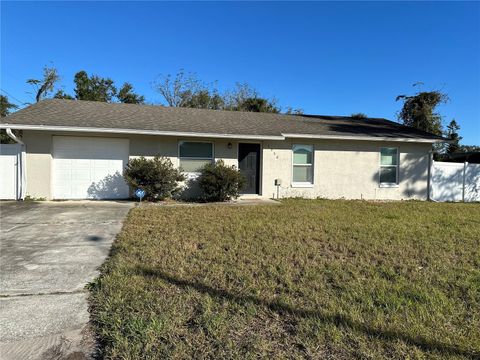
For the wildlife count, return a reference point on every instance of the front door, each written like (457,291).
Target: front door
(249,166)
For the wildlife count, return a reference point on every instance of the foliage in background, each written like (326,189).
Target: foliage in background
(307,279)
(187,90)
(5,108)
(178,91)
(94,87)
(61,94)
(293,111)
(469,148)
(454,137)
(220,182)
(126,95)
(157,176)
(418,110)
(359,116)
(450,151)
(97,88)
(45,85)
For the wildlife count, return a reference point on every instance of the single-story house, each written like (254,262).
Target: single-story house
(77,149)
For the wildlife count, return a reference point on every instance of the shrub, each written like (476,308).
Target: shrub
(220,182)
(157,176)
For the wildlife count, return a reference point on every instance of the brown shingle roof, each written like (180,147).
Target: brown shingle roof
(92,115)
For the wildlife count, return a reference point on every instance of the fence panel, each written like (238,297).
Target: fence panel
(455,181)
(472,182)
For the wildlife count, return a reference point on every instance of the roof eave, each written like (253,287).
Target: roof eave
(364,138)
(141,132)
(215,135)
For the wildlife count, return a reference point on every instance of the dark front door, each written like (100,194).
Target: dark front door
(249,165)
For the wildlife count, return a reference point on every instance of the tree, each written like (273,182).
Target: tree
(179,90)
(454,137)
(419,110)
(186,90)
(245,98)
(257,104)
(96,88)
(205,99)
(128,96)
(60,94)
(93,88)
(5,108)
(46,84)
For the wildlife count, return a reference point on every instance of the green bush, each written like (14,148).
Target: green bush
(157,176)
(220,182)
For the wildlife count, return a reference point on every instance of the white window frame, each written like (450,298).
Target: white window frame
(304,184)
(384,184)
(212,159)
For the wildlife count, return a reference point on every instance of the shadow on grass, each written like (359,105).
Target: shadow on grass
(342,320)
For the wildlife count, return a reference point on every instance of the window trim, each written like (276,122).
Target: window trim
(212,159)
(397,167)
(303,184)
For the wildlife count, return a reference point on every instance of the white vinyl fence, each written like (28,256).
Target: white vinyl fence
(455,182)
(10,171)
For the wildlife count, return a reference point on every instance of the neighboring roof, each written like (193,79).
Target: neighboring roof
(76,115)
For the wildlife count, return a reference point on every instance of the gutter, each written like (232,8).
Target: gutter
(366,138)
(22,169)
(282,136)
(142,132)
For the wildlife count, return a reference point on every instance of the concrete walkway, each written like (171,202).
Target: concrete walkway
(49,252)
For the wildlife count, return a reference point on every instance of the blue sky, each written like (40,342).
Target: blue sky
(326,58)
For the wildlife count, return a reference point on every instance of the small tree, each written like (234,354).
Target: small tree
(157,176)
(454,137)
(45,85)
(220,182)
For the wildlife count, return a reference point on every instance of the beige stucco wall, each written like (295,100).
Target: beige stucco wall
(342,169)
(38,145)
(39,154)
(346,169)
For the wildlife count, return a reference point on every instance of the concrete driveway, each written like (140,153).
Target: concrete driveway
(49,252)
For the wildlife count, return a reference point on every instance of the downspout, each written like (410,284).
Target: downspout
(22,168)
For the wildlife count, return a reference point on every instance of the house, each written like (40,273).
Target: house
(78,149)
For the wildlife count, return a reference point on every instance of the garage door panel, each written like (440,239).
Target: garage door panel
(89,167)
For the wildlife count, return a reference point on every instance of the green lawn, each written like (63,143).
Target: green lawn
(305,279)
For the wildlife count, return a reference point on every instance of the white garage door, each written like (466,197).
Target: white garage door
(89,167)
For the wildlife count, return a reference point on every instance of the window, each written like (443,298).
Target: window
(388,166)
(194,155)
(302,165)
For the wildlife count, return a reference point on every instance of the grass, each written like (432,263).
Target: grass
(305,279)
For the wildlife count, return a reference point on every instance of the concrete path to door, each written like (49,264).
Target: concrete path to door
(49,252)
